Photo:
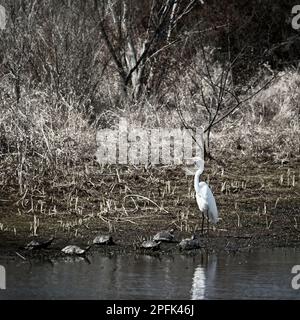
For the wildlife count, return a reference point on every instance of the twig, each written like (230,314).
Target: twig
(145,198)
(19,255)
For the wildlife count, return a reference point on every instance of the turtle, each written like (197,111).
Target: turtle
(75,250)
(36,244)
(103,239)
(164,236)
(190,243)
(150,244)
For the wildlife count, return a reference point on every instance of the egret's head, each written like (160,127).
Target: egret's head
(197,164)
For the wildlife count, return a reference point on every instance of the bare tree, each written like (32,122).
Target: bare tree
(133,41)
(52,45)
(214,93)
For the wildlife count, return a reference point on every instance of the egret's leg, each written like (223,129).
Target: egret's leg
(202,226)
(207,227)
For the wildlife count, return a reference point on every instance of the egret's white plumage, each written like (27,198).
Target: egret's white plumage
(204,196)
(206,202)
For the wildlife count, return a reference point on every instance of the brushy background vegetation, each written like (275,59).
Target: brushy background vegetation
(69,68)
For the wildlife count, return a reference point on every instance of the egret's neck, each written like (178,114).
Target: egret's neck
(196,180)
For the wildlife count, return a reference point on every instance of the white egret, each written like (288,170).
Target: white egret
(204,196)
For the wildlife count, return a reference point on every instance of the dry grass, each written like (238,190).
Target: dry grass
(43,140)
(259,201)
(48,144)
(268,126)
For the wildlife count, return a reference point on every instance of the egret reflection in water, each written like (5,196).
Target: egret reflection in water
(204,277)
(257,274)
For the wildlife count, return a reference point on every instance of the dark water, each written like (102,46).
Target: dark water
(261,274)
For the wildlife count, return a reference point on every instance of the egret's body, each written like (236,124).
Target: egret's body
(205,198)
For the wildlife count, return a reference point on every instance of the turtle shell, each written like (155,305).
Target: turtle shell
(150,244)
(71,249)
(190,243)
(34,244)
(165,235)
(103,239)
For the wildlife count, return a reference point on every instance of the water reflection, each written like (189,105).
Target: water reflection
(74,259)
(204,277)
(259,274)
(199,282)
(146,277)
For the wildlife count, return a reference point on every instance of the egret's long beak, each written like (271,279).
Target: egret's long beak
(198,161)
(194,159)
(192,165)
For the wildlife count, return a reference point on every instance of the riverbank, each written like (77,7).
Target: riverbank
(259,206)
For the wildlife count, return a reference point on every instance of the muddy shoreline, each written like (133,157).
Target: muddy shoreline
(13,248)
(259,206)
